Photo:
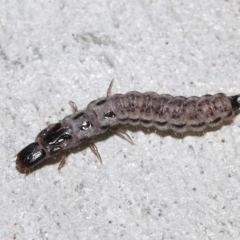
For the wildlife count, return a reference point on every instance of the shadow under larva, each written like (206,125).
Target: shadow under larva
(179,114)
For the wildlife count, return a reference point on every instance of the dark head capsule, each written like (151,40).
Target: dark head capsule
(29,157)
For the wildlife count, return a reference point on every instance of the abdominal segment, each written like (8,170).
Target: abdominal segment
(164,112)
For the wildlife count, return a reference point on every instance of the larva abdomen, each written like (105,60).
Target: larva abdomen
(164,111)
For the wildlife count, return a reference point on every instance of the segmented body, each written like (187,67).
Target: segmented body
(164,111)
(149,109)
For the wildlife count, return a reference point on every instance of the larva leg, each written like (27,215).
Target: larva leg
(95,151)
(73,106)
(110,88)
(62,161)
(124,135)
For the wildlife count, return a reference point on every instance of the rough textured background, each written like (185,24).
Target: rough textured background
(164,187)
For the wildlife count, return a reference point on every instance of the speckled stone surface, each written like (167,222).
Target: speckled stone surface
(165,186)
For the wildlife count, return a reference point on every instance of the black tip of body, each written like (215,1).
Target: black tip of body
(30,156)
(235,100)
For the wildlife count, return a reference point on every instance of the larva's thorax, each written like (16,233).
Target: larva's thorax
(95,119)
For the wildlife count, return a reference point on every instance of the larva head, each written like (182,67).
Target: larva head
(49,141)
(29,157)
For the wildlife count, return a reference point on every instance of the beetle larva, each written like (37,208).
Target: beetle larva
(164,112)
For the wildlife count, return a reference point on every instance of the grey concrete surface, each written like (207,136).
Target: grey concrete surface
(163,187)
